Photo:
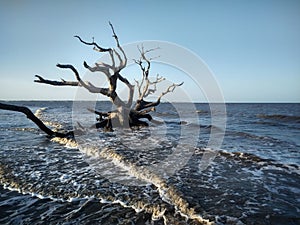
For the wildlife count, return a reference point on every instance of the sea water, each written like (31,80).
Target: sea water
(123,178)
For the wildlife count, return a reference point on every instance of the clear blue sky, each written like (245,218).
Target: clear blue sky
(252,47)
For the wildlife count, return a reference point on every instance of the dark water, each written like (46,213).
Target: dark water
(155,175)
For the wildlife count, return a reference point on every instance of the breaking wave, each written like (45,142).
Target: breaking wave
(67,175)
(280,117)
(40,114)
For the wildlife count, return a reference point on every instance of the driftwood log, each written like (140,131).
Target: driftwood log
(36,120)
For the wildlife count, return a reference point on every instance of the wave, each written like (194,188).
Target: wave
(167,192)
(250,158)
(168,114)
(201,111)
(29,129)
(232,133)
(280,117)
(66,176)
(259,161)
(169,198)
(67,193)
(39,113)
(256,190)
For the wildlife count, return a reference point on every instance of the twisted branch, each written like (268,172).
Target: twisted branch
(99,67)
(96,46)
(90,87)
(105,68)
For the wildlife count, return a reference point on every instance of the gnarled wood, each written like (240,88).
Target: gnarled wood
(125,113)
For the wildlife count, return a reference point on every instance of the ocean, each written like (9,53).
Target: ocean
(167,173)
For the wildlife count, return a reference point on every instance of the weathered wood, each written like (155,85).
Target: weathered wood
(100,49)
(34,119)
(126,112)
(147,87)
(56,83)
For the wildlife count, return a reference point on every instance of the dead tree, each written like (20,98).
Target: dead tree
(129,113)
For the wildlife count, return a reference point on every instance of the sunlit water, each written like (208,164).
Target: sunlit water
(116,178)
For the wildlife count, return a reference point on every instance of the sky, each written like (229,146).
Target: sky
(252,48)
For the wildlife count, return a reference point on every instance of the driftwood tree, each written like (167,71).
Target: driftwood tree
(128,113)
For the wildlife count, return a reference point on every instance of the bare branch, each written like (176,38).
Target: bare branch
(56,83)
(90,87)
(123,63)
(96,46)
(171,88)
(143,57)
(142,104)
(140,85)
(144,88)
(154,83)
(158,79)
(111,53)
(99,68)
(114,34)
(34,119)
(109,92)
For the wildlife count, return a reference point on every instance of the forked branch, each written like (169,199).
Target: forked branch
(105,68)
(142,104)
(171,88)
(89,86)
(153,83)
(145,86)
(123,62)
(96,46)
(55,83)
